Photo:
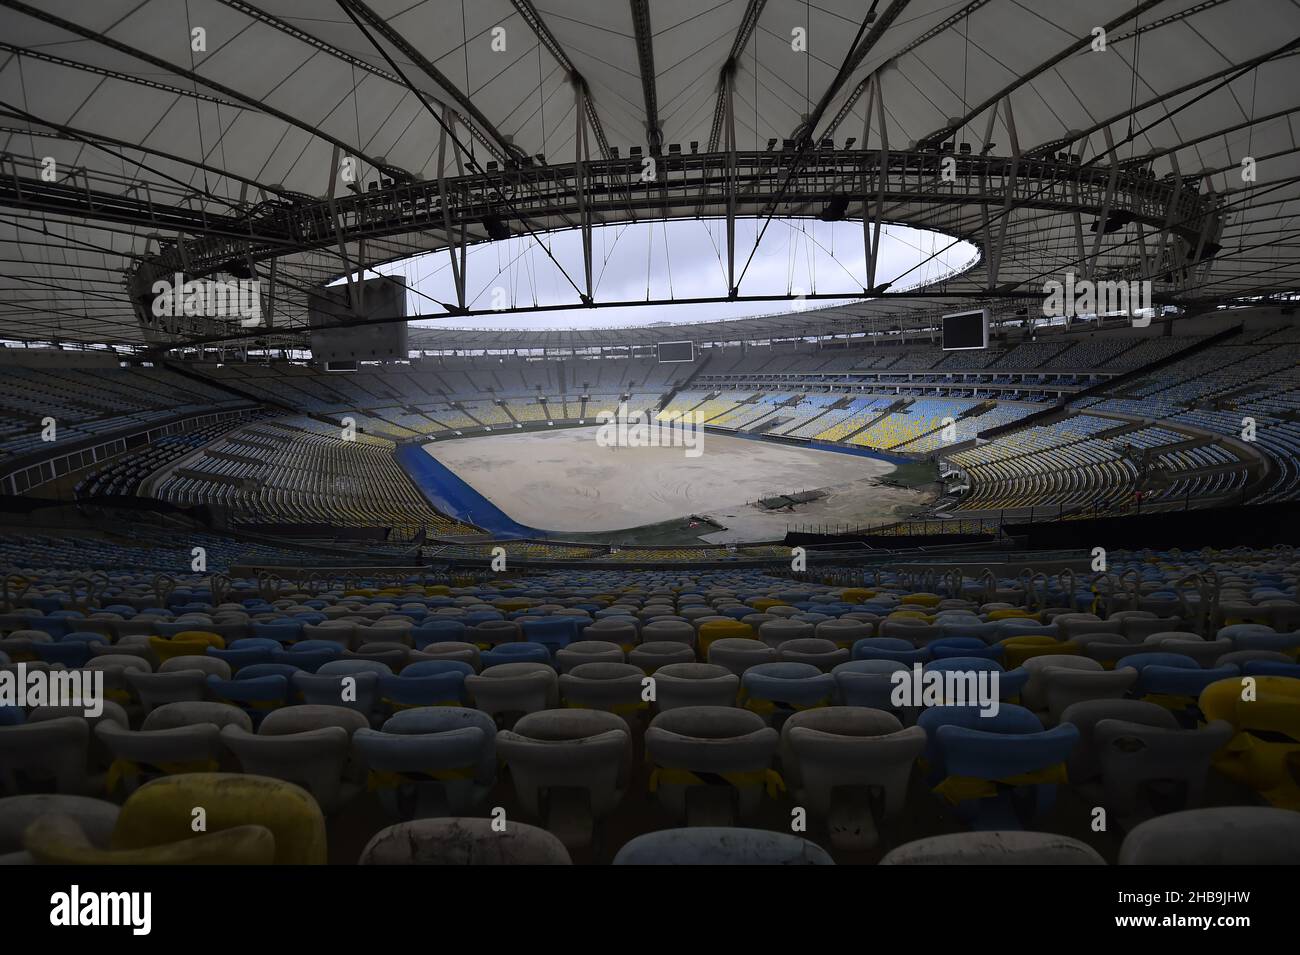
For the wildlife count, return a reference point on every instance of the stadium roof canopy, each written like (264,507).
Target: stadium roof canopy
(860,318)
(209,135)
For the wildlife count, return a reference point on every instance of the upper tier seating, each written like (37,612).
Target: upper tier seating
(88,402)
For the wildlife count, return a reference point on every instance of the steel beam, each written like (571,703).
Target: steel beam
(937,30)
(544,36)
(418,59)
(1091,268)
(939,135)
(645,56)
(742,182)
(871,223)
(1008,117)
(581,157)
(355,62)
(806,130)
(729,187)
(457,246)
(234,95)
(748,22)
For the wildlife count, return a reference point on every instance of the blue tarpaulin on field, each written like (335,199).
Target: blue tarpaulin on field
(449,494)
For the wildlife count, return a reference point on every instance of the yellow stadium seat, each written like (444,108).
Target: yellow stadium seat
(164,810)
(910,614)
(712,630)
(58,840)
(1265,753)
(1016,650)
(187,644)
(212,639)
(1010,613)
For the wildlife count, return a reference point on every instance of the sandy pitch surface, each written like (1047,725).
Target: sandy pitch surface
(565,481)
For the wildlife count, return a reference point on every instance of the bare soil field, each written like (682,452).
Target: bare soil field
(566,481)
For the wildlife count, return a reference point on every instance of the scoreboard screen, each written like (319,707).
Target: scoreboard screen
(966,330)
(676,351)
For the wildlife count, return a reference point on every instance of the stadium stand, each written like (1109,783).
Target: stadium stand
(1103,451)
(316,548)
(302,471)
(259,663)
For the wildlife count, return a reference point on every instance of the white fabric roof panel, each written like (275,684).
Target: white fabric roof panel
(307,59)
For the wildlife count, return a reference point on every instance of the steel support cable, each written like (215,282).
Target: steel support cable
(1248,196)
(1292,44)
(346,6)
(251,103)
(97,140)
(804,133)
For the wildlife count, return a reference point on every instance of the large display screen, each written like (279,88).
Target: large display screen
(676,351)
(966,330)
(336,338)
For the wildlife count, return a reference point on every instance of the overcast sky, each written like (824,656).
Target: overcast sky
(681,259)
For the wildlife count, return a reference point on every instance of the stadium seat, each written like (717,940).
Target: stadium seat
(715,630)
(1228,835)
(739,654)
(712,765)
(964,647)
(588,651)
(889,648)
(1149,770)
(621,631)
(493,632)
(353,684)
(729,845)
(42,755)
(427,683)
(176,737)
(1034,694)
(569,768)
(162,812)
(554,633)
(1017,649)
(1085,761)
(1063,686)
(844,632)
(850,766)
(998,772)
(1014,847)
(256,695)
(510,690)
(821,653)
(650,656)
(95,818)
(1265,714)
(241,653)
(871,683)
(694,684)
(463,841)
(614,687)
(313,759)
(450,650)
(430,761)
(438,631)
(61,840)
(775,690)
